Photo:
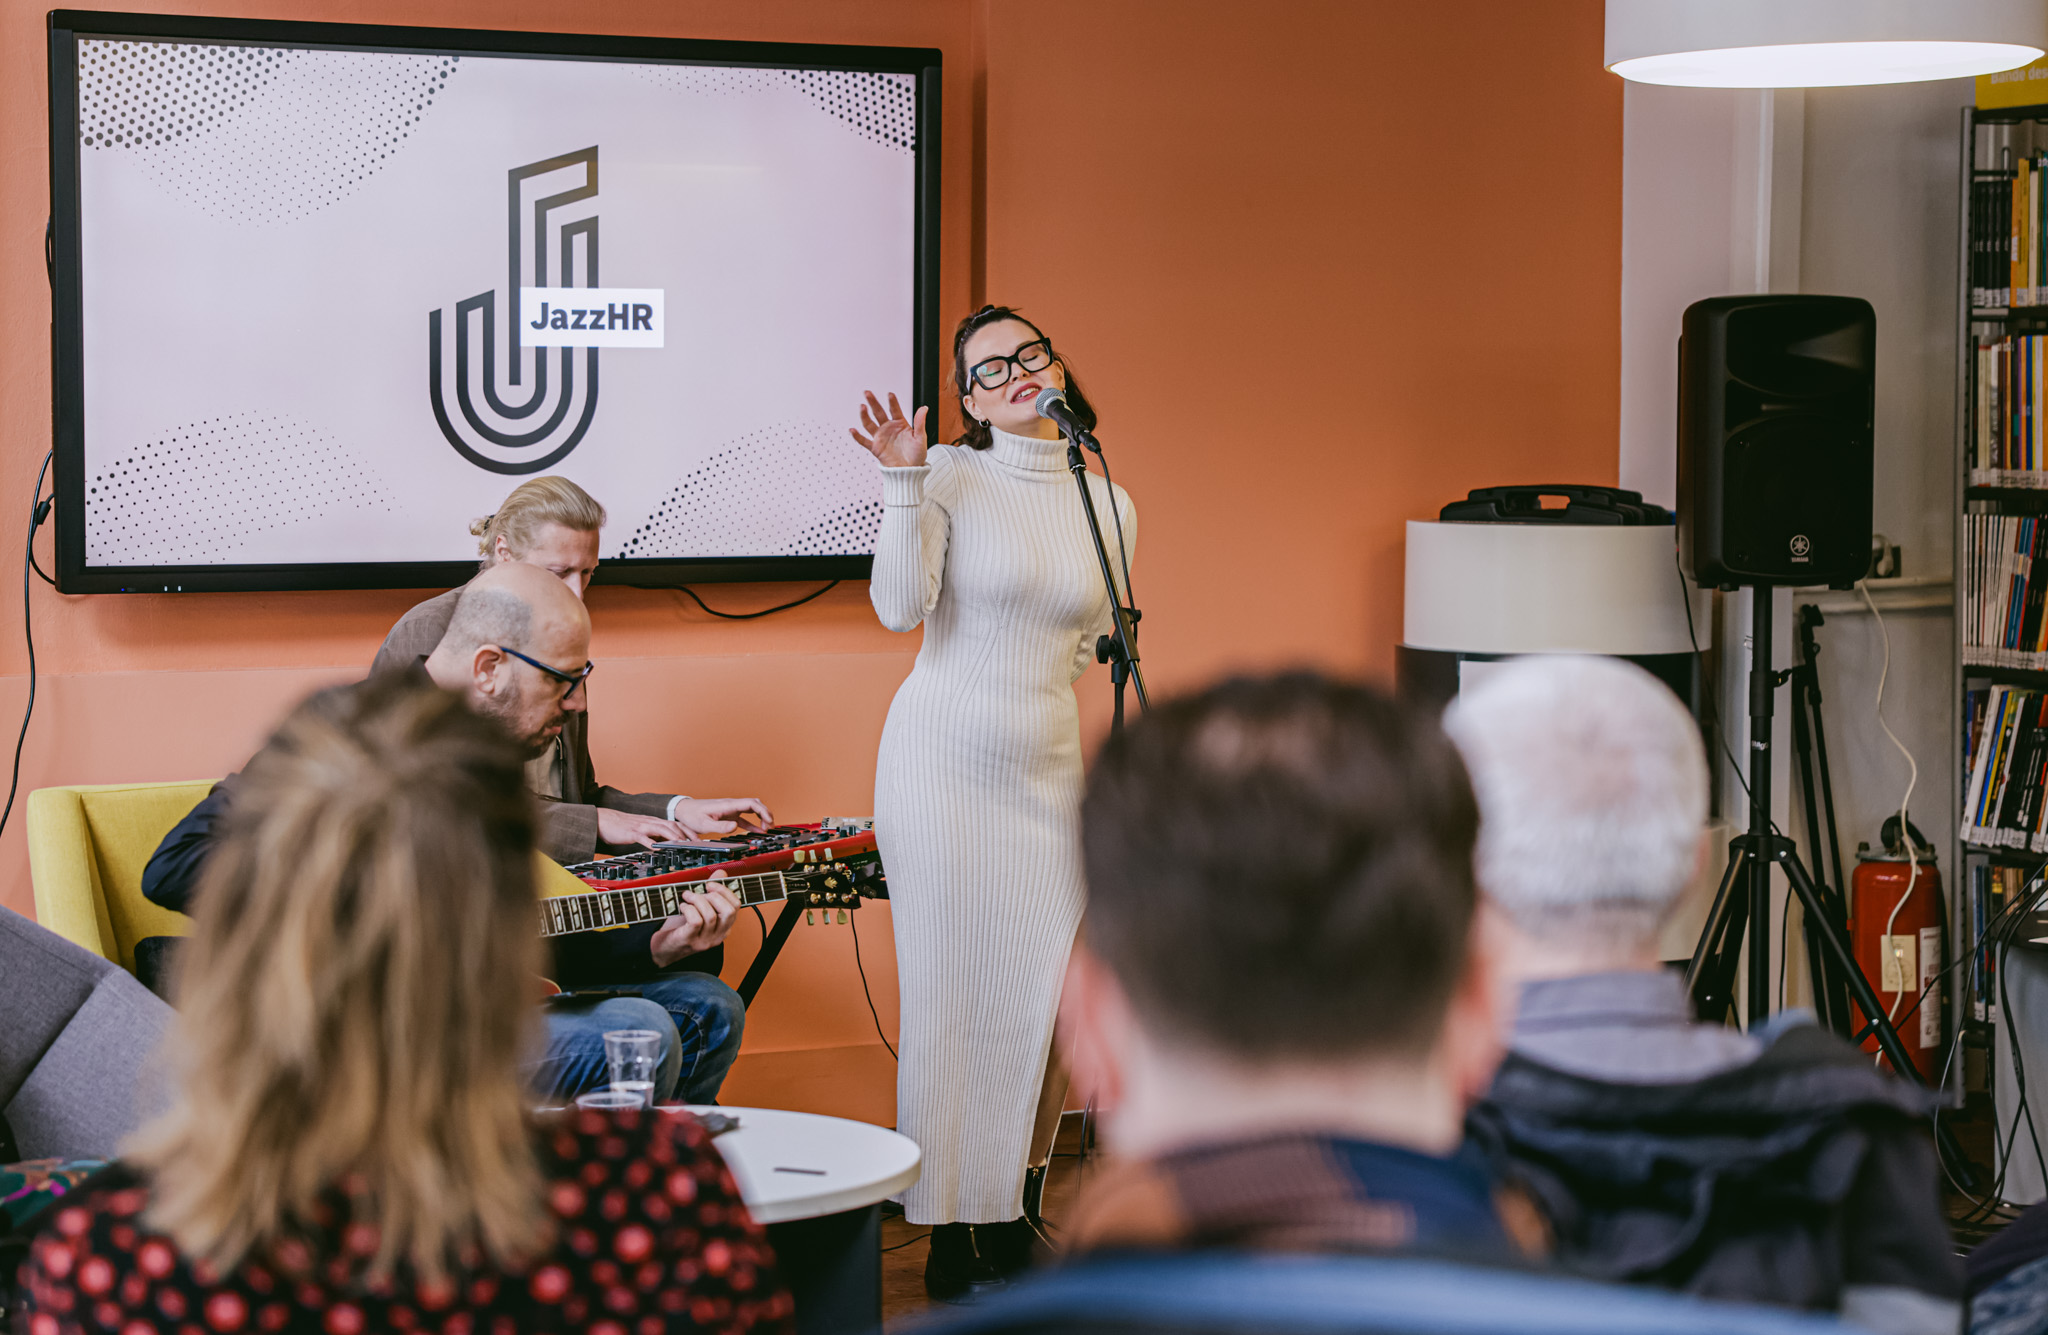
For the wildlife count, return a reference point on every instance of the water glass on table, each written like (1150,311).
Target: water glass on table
(634,1055)
(610,1100)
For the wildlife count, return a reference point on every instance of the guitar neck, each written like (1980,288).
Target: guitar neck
(600,909)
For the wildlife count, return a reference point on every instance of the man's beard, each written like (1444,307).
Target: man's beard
(505,711)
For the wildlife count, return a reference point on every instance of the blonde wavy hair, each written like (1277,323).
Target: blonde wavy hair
(356,996)
(531,507)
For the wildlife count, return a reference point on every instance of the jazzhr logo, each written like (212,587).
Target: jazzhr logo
(511,434)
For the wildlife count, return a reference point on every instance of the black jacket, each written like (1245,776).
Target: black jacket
(584,960)
(1784,1180)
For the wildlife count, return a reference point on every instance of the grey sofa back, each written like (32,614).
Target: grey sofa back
(78,1038)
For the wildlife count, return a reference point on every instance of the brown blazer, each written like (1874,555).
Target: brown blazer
(568,832)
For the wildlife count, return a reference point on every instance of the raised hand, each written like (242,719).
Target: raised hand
(896,441)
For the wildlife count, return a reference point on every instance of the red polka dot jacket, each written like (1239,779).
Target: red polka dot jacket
(651,1237)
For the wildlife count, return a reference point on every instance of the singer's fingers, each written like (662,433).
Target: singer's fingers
(895,409)
(861,440)
(872,421)
(918,425)
(875,405)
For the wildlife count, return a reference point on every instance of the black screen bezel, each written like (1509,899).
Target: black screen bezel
(67,333)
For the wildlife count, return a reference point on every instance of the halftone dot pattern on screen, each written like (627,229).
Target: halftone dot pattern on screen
(254,134)
(852,528)
(197,492)
(879,107)
(780,491)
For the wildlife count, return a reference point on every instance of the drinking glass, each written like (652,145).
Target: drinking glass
(610,1100)
(634,1054)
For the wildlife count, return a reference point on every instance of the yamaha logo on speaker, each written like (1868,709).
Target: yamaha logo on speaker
(1801,548)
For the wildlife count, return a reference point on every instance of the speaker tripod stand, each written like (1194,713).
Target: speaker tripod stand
(1743,903)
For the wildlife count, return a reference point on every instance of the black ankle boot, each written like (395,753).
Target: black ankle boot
(957,1268)
(1034,1196)
(1013,1247)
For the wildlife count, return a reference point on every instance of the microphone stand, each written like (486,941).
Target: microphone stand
(1119,649)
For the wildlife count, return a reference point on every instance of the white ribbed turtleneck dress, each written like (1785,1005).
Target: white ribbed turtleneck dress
(978,795)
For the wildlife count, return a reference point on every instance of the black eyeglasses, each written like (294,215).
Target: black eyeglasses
(995,372)
(571,679)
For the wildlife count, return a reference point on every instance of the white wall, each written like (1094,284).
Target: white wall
(1882,176)
(1850,191)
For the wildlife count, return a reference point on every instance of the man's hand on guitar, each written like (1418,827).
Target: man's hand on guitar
(709,817)
(701,924)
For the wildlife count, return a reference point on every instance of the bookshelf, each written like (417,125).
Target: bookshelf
(1999,838)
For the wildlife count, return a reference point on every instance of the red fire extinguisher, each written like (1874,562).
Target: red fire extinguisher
(1897,934)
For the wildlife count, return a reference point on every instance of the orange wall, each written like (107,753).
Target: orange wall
(138,687)
(1322,266)
(1337,263)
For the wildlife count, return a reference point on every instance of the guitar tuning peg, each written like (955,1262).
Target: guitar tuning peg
(842,915)
(811,917)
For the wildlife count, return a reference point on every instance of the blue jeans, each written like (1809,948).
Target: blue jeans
(703,1014)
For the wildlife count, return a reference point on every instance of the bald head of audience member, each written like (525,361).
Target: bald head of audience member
(510,610)
(1592,787)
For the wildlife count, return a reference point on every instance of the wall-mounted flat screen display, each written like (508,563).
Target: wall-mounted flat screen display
(325,294)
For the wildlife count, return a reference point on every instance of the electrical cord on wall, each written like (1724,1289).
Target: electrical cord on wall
(740,616)
(38,511)
(1905,826)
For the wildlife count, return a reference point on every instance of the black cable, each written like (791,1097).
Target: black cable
(36,514)
(746,616)
(1996,928)
(854,921)
(897,1247)
(1123,553)
(40,513)
(2019,1064)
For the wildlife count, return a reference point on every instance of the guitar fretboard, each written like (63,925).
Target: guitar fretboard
(647,903)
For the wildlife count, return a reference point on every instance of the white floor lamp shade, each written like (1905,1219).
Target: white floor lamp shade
(1820,43)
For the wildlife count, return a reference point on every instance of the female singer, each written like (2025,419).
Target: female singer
(978,786)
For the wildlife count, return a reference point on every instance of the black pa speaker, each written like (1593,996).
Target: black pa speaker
(1776,401)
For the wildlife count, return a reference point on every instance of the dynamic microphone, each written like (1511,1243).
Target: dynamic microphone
(1052,405)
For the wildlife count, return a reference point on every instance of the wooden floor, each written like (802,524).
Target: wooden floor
(903,1245)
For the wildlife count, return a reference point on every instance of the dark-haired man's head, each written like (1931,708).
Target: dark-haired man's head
(1281,921)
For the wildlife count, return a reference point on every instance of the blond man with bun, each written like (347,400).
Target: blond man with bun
(552,523)
(349,1147)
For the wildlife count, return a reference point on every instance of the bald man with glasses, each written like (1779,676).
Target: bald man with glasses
(535,691)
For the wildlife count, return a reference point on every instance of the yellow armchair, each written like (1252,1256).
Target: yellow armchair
(87,847)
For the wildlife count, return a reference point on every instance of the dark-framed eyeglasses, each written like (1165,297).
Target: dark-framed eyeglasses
(995,372)
(570,679)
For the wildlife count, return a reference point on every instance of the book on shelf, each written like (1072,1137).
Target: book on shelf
(2008,772)
(1991,240)
(2004,588)
(1990,889)
(2009,427)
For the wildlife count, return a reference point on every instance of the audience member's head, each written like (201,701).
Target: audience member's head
(548,522)
(516,634)
(1592,787)
(1281,902)
(357,992)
